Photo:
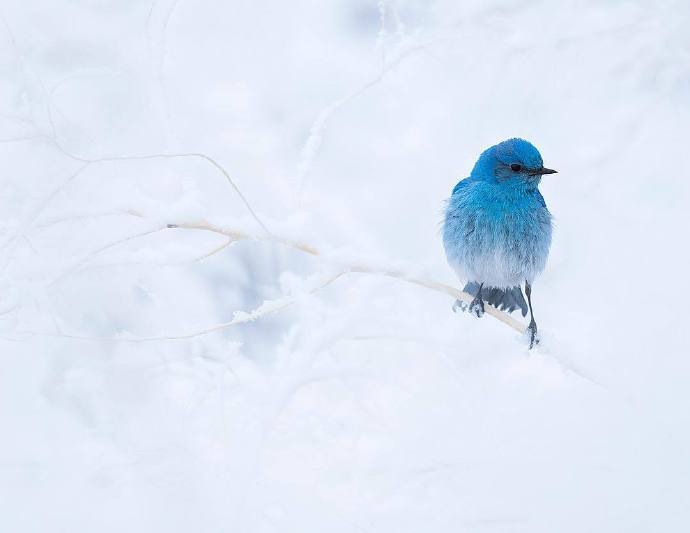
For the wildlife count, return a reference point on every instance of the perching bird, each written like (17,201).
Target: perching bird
(497,229)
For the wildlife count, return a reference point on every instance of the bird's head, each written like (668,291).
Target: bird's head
(514,161)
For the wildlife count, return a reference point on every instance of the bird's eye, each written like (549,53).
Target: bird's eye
(515,167)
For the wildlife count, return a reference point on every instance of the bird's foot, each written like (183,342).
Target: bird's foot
(532,334)
(476,307)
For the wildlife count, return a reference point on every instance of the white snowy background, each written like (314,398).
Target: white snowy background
(365,405)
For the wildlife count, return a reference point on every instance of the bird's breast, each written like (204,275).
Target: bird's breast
(497,240)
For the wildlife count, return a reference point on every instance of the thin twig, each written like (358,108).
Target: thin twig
(85,259)
(197,155)
(311,146)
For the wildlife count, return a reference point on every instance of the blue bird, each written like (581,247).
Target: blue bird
(497,229)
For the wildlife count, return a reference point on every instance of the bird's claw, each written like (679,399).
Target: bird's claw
(532,334)
(476,307)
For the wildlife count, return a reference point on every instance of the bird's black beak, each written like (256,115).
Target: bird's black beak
(541,171)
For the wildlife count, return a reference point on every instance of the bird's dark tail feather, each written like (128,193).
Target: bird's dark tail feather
(504,299)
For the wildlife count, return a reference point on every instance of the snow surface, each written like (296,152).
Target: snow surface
(359,402)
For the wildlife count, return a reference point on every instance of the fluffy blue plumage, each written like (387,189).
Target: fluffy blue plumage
(497,229)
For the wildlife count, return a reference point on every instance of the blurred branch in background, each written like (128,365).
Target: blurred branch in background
(235,235)
(311,146)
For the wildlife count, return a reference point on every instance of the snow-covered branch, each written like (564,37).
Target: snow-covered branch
(354,267)
(338,268)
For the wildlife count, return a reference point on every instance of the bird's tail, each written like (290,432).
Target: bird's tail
(504,299)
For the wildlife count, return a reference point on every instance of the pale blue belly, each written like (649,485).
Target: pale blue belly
(500,248)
